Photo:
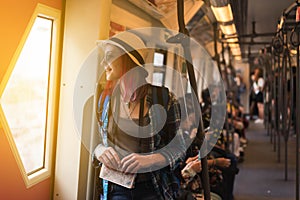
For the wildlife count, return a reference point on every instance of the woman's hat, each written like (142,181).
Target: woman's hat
(130,43)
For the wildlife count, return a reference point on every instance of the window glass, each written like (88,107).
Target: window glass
(158,78)
(24,100)
(158,60)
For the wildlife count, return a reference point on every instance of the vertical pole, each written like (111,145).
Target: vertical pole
(284,116)
(104,25)
(279,107)
(284,99)
(297,118)
(200,131)
(297,106)
(216,56)
(231,101)
(276,82)
(105,13)
(227,89)
(271,99)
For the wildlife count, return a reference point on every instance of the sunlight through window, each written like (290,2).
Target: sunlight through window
(25,98)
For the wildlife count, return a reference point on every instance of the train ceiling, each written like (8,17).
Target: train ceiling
(255,20)
(260,16)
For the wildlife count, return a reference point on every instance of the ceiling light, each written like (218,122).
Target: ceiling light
(236,51)
(233,45)
(232,40)
(223,14)
(239,57)
(228,29)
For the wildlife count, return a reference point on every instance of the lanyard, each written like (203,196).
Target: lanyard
(103,130)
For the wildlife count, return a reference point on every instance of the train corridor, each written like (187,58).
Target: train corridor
(261,176)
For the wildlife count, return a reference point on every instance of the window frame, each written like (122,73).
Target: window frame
(53,14)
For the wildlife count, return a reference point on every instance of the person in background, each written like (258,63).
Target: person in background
(241,87)
(189,169)
(223,164)
(258,86)
(253,110)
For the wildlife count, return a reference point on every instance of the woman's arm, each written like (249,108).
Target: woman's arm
(166,155)
(135,162)
(172,139)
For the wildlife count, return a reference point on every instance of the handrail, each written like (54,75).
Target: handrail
(184,40)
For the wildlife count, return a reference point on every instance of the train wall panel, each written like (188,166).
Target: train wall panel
(14,17)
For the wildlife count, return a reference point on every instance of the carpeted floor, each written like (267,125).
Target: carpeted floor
(261,176)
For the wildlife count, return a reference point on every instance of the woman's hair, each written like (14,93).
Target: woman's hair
(258,71)
(108,86)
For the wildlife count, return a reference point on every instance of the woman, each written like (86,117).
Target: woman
(135,140)
(258,87)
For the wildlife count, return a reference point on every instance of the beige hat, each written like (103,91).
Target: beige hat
(130,43)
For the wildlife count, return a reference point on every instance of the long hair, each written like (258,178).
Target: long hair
(107,87)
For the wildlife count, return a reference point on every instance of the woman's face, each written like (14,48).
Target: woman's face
(112,62)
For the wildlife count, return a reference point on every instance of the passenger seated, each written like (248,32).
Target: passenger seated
(221,183)
(190,169)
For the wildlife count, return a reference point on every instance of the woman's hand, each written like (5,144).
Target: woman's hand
(193,133)
(191,159)
(190,170)
(196,166)
(110,158)
(134,162)
(223,162)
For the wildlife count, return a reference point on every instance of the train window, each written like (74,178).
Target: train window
(158,78)
(158,60)
(28,98)
(159,63)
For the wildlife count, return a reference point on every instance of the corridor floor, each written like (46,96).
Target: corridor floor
(261,176)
